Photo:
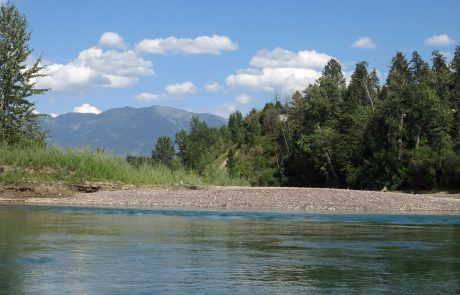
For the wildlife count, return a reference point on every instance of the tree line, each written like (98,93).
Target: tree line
(404,134)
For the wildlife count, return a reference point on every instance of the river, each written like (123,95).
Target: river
(69,250)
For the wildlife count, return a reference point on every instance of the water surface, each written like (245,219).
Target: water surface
(51,250)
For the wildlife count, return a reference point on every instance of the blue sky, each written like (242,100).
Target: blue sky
(218,56)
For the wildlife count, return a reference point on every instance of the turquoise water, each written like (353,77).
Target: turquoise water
(51,250)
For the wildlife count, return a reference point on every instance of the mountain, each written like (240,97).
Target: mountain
(122,130)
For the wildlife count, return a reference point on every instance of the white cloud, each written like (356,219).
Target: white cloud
(179,89)
(53,115)
(243,99)
(212,87)
(214,44)
(282,58)
(95,67)
(86,108)
(269,79)
(364,42)
(280,69)
(226,109)
(439,40)
(112,39)
(147,96)
(171,90)
(35,112)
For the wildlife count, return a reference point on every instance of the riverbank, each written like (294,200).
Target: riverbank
(236,198)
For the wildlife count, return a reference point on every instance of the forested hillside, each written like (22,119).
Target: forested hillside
(400,134)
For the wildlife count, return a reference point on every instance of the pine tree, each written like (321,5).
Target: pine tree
(18,123)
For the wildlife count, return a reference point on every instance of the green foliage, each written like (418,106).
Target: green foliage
(18,123)
(36,164)
(402,135)
(230,163)
(197,149)
(163,152)
(236,128)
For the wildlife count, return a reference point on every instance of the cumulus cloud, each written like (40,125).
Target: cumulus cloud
(364,42)
(243,99)
(280,69)
(86,108)
(53,115)
(439,40)
(147,96)
(212,87)
(269,79)
(214,44)
(95,67)
(171,90)
(179,89)
(112,39)
(282,58)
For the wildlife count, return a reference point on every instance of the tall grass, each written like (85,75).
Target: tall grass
(43,165)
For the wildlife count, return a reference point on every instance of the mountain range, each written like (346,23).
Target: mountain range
(122,131)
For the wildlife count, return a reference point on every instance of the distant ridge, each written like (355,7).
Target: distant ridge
(122,130)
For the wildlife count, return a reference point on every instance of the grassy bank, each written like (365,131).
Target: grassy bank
(28,166)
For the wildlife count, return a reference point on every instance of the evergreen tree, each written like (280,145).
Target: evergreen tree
(420,69)
(236,127)
(455,93)
(252,127)
(363,86)
(163,151)
(442,77)
(18,123)
(323,101)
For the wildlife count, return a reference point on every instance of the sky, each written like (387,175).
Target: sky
(218,56)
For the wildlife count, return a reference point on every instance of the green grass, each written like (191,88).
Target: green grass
(38,165)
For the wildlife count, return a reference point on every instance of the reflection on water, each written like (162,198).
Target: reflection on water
(46,250)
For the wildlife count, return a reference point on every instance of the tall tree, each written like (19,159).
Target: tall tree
(420,69)
(363,86)
(163,151)
(17,79)
(235,125)
(323,101)
(442,76)
(455,92)
(398,83)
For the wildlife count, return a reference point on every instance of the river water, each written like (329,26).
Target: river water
(51,250)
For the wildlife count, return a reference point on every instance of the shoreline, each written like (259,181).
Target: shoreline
(293,200)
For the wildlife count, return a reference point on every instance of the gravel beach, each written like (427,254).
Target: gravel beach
(249,198)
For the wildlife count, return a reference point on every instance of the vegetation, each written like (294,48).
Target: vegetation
(402,135)
(31,165)
(18,123)
(163,153)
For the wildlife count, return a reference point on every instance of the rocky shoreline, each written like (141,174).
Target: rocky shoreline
(246,198)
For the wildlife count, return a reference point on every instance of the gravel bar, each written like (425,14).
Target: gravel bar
(254,199)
